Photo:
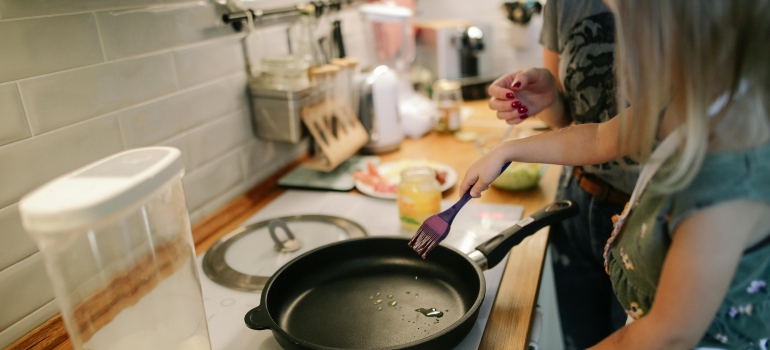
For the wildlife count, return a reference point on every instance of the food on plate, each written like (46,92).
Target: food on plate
(387,181)
(519,176)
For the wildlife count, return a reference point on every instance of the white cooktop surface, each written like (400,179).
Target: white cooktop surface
(477,222)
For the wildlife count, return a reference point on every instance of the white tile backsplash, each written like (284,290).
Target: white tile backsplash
(60,99)
(174,75)
(212,180)
(27,284)
(129,33)
(31,321)
(15,243)
(159,120)
(203,63)
(214,139)
(37,46)
(29,163)
(12,118)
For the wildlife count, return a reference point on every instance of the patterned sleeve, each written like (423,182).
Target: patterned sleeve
(549,36)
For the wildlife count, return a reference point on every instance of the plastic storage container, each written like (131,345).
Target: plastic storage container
(117,245)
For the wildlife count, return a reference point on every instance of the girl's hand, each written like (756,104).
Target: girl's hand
(518,95)
(481,173)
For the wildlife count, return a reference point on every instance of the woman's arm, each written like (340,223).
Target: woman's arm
(575,145)
(697,272)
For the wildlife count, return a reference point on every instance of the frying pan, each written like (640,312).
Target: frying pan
(340,296)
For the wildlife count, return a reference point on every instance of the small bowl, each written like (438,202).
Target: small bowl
(518,176)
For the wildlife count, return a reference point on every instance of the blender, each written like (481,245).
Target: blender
(385,88)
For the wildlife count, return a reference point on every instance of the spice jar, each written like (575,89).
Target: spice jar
(449,98)
(285,73)
(418,196)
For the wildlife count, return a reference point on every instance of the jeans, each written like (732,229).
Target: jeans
(588,308)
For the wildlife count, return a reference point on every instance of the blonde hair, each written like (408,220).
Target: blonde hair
(673,59)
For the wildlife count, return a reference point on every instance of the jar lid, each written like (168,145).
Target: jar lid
(327,69)
(99,190)
(246,258)
(284,63)
(444,85)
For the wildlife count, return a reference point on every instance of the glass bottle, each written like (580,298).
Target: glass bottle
(449,98)
(307,47)
(418,196)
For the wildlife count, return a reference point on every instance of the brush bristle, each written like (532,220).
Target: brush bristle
(429,235)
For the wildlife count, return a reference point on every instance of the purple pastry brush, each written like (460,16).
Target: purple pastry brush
(436,227)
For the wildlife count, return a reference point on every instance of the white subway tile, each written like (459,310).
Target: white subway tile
(212,180)
(261,158)
(12,118)
(202,63)
(43,45)
(24,288)
(65,98)
(214,139)
(15,243)
(28,323)
(29,163)
(156,121)
(129,33)
(26,8)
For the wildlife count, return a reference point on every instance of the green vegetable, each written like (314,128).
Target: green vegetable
(519,176)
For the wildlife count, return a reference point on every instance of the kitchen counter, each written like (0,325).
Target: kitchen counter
(509,322)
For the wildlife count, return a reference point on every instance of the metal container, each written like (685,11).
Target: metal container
(277,113)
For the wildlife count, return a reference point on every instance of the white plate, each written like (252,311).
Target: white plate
(384,170)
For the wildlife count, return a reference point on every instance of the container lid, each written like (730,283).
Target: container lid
(99,190)
(284,63)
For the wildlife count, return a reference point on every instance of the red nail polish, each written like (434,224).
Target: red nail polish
(523,109)
(509,95)
(515,104)
(517,85)
(523,116)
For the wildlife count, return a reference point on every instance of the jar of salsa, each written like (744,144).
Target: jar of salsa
(418,196)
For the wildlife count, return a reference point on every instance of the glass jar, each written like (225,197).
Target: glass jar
(447,95)
(285,73)
(418,196)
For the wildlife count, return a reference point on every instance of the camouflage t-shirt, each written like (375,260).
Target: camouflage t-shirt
(582,32)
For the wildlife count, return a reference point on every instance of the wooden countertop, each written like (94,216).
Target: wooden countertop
(509,322)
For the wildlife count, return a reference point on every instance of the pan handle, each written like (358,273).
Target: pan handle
(498,246)
(258,319)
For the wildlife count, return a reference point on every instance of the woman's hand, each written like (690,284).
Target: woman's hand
(481,173)
(518,95)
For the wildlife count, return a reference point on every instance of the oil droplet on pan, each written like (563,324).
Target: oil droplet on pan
(390,296)
(377,302)
(432,312)
(392,303)
(371,297)
(378,294)
(379,308)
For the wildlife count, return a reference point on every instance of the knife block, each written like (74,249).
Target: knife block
(336,131)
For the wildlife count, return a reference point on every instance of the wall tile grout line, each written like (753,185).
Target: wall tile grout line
(204,125)
(20,261)
(108,9)
(24,107)
(146,102)
(142,55)
(99,34)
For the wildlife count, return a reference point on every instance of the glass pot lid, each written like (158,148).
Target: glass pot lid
(246,258)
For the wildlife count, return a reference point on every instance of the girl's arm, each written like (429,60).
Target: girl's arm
(697,272)
(574,145)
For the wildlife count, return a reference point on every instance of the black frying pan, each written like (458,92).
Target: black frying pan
(327,297)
